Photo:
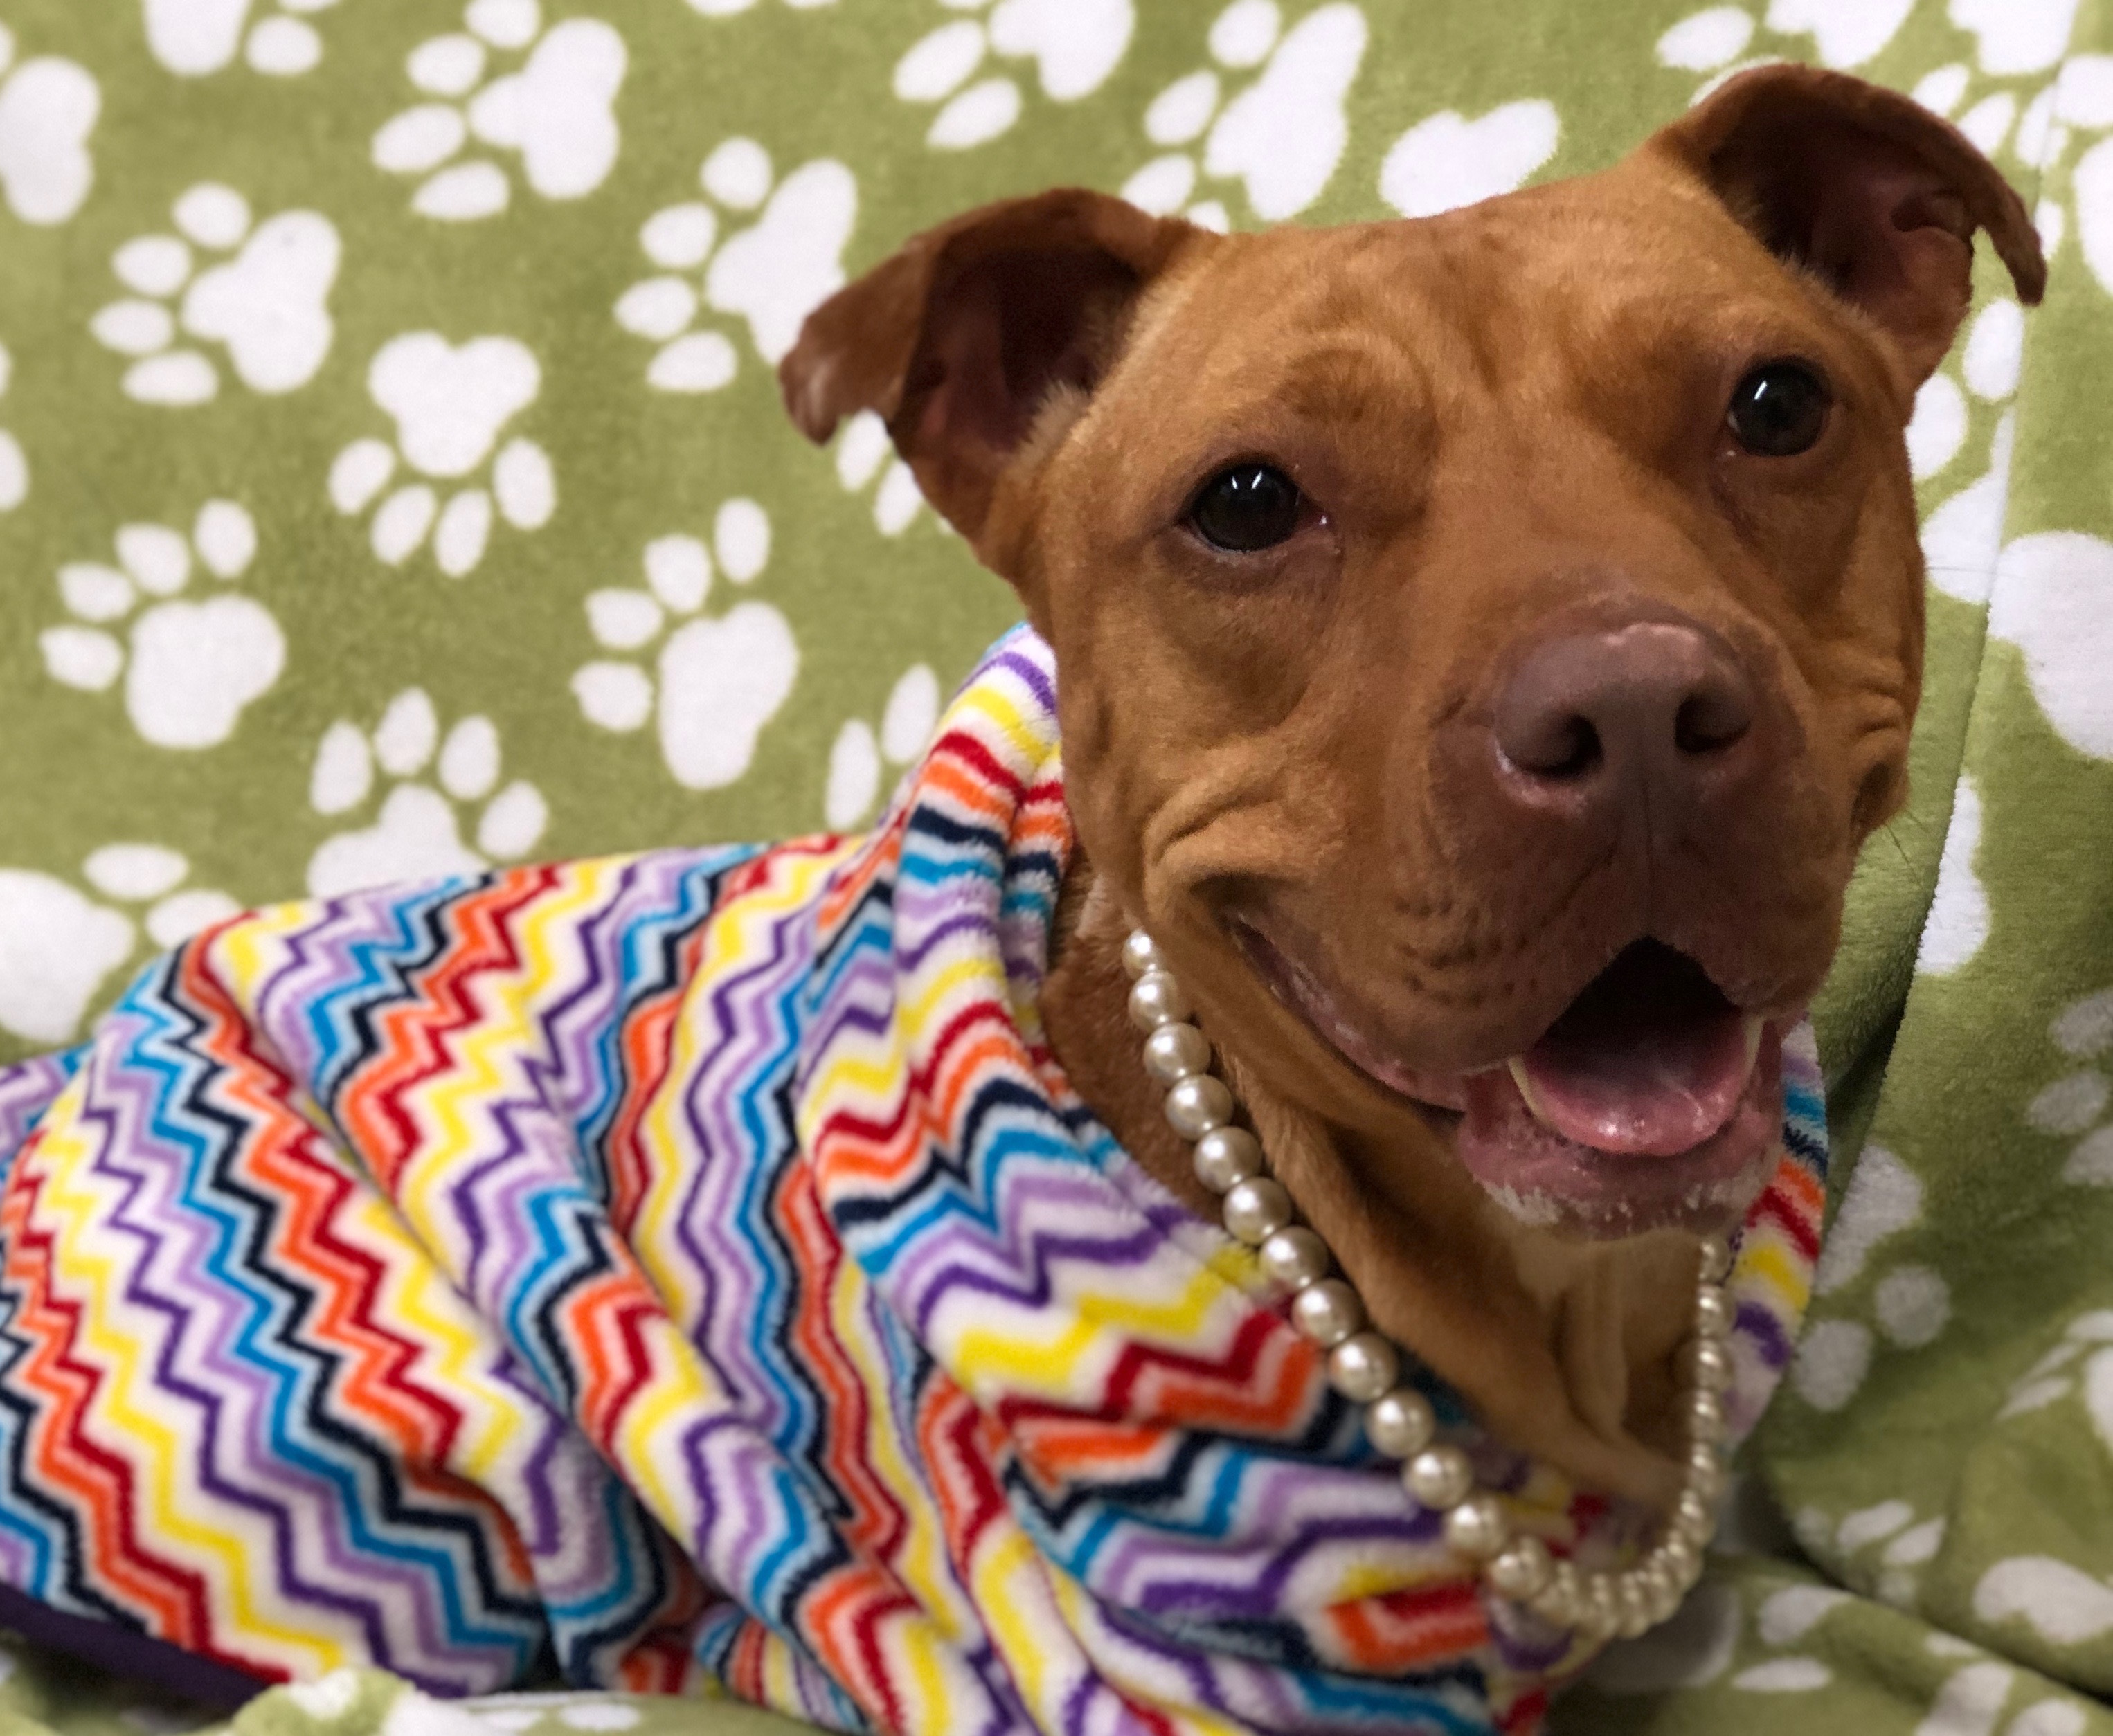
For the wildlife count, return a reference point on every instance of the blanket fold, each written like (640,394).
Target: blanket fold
(695,1268)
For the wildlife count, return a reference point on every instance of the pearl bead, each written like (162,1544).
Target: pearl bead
(1661,1591)
(1679,1558)
(1225,1157)
(1716,1260)
(1632,1596)
(1173,1052)
(1295,1257)
(1196,1105)
(1523,1571)
(1709,1365)
(1363,1366)
(1693,1518)
(1478,1528)
(1401,1423)
(1141,954)
(1256,1210)
(1439,1477)
(1327,1312)
(1599,1608)
(1156,998)
(1559,1601)
(1705,1470)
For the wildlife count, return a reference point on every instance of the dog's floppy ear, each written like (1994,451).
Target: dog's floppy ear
(960,340)
(1866,189)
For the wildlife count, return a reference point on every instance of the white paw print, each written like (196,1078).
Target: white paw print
(2076,1103)
(854,759)
(718,679)
(451,402)
(1911,1303)
(1448,161)
(190,664)
(57,944)
(418,832)
(193,38)
(268,304)
(1281,136)
(557,111)
(48,109)
(1075,43)
(864,451)
(727,8)
(773,273)
(14,468)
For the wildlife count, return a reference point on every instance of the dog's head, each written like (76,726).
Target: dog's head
(1486,641)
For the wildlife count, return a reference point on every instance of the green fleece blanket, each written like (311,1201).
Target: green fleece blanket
(392,480)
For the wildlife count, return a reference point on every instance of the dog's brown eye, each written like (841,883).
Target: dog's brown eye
(1778,409)
(1246,507)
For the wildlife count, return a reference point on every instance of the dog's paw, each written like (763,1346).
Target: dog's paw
(450,403)
(556,112)
(266,301)
(417,829)
(190,665)
(714,681)
(772,274)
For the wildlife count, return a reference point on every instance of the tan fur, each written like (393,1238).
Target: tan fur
(1509,412)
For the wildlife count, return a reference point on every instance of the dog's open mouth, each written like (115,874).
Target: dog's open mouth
(1652,1102)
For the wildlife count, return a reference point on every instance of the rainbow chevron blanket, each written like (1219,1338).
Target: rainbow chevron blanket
(694,1268)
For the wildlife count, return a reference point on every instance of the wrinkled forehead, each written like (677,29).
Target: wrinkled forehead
(1614,282)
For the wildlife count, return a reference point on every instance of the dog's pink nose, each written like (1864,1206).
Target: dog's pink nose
(1649,713)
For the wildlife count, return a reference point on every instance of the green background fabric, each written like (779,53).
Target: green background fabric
(542,258)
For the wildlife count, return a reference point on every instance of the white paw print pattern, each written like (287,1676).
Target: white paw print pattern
(451,402)
(1281,136)
(57,943)
(194,38)
(1075,44)
(48,109)
(267,302)
(557,112)
(727,8)
(854,759)
(417,833)
(1911,1304)
(2073,1106)
(14,466)
(717,679)
(190,664)
(1448,160)
(773,273)
(864,451)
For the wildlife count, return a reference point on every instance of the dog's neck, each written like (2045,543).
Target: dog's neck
(1564,1349)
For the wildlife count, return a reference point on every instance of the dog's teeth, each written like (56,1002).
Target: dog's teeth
(1523,1080)
(1753,1027)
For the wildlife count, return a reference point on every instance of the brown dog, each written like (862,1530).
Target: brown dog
(1486,642)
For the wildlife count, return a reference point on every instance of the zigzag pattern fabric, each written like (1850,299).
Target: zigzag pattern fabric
(693,1268)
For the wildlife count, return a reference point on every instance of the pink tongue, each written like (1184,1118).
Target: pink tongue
(1650,1060)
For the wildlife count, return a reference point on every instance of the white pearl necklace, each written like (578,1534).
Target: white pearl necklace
(1365,1365)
